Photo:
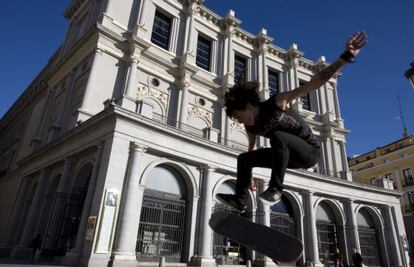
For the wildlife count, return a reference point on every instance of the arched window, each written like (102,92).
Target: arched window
(281,217)
(162,224)
(327,232)
(368,239)
(226,251)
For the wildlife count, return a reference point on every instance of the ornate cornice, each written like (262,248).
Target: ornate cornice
(210,16)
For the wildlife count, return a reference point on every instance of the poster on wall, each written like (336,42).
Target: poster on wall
(107,221)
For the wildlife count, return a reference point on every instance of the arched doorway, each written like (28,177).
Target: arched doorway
(225,250)
(281,217)
(66,214)
(163,215)
(327,230)
(368,239)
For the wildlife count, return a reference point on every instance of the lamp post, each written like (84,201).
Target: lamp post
(410,74)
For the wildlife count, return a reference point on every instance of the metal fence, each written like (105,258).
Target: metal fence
(162,227)
(327,240)
(368,240)
(225,250)
(63,224)
(283,222)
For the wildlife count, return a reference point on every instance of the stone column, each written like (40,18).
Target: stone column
(141,18)
(130,94)
(65,180)
(17,213)
(392,243)
(311,230)
(351,226)
(231,23)
(140,29)
(263,217)
(189,29)
(88,100)
(346,174)
(336,103)
(331,141)
(183,101)
(129,215)
(205,245)
(32,218)
(88,201)
(262,40)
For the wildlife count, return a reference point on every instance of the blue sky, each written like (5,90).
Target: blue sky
(32,31)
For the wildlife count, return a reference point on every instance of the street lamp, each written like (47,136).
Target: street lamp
(410,74)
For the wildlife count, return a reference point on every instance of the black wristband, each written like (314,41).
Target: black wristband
(348,57)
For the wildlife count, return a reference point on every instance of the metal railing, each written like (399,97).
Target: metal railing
(197,132)
(162,227)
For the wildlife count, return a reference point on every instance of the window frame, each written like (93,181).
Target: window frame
(161,15)
(277,74)
(204,38)
(236,77)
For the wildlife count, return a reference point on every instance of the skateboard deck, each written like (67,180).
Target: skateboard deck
(278,246)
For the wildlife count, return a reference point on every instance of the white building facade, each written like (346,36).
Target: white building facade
(115,151)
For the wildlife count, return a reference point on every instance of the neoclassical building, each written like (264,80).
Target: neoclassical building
(390,166)
(115,151)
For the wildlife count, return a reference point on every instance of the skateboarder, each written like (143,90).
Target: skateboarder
(292,142)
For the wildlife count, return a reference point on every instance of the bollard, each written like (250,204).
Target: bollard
(248,263)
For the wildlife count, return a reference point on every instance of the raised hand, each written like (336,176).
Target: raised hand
(356,42)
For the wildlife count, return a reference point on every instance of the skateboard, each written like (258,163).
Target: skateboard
(278,246)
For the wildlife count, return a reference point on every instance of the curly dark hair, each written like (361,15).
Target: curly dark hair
(238,96)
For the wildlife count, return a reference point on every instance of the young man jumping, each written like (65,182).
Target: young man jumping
(292,143)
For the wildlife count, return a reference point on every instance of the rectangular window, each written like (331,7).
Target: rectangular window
(203,53)
(408,177)
(161,30)
(240,68)
(273,77)
(305,99)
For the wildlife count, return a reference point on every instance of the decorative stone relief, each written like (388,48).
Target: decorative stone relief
(197,111)
(234,125)
(160,96)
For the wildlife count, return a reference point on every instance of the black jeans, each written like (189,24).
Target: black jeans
(286,151)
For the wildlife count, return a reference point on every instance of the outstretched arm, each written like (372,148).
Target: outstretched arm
(352,48)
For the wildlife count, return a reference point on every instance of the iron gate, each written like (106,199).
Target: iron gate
(225,250)
(327,240)
(283,222)
(368,241)
(161,230)
(63,224)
